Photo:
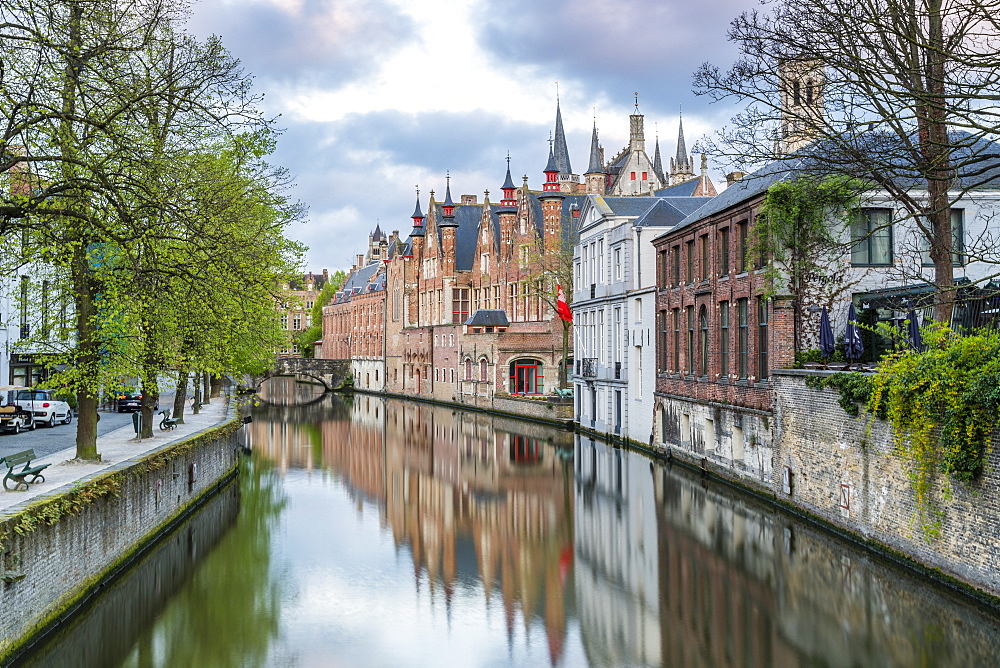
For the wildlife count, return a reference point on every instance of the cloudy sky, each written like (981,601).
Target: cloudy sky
(379,96)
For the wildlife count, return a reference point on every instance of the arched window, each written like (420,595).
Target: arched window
(483,369)
(395,300)
(526,377)
(468,368)
(703,321)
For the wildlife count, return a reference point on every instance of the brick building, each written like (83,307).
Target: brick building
(295,309)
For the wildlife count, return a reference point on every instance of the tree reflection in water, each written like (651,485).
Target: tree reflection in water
(229,613)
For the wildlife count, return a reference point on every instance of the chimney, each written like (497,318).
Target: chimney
(733,177)
(469,199)
(326,275)
(361,260)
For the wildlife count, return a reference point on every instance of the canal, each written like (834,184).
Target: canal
(371,532)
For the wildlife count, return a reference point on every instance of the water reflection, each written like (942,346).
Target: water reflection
(383,532)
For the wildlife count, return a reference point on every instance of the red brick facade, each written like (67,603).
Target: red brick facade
(717,336)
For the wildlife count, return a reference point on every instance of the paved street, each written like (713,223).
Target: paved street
(47,440)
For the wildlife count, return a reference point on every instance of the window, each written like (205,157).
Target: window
(526,377)
(677,340)
(689,277)
(483,370)
(957,241)
(297,322)
(284,322)
(617,262)
(689,362)
(724,251)
(661,266)
(742,338)
(468,369)
(645,176)
(762,362)
(703,321)
(704,257)
(484,262)
(741,261)
(633,176)
(676,266)
(871,233)
(459,305)
(663,342)
(724,339)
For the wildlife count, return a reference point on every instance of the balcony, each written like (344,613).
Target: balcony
(588,368)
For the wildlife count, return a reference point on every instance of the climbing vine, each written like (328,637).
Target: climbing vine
(799,225)
(944,405)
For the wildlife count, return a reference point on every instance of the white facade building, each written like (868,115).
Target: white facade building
(614,310)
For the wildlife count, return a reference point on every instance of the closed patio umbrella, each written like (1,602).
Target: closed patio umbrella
(827,344)
(913,336)
(854,348)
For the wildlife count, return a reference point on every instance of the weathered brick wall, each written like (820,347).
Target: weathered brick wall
(737,440)
(60,562)
(836,461)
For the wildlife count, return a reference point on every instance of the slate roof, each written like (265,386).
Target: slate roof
(467,217)
(685,189)
(359,282)
(488,317)
(669,211)
(561,152)
(595,166)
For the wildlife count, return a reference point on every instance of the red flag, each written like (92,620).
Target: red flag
(561,306)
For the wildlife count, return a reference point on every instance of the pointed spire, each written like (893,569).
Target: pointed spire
(595,166)
(658,162)
(447,191)
(551,165)
(448,206)
(560,152)
(417,213)
(418,218)
(508,182)
(682,156)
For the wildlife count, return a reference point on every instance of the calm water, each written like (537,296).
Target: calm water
(383,533)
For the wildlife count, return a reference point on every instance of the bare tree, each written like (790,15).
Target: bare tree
(901,94)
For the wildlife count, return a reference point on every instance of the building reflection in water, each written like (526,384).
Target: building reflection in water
(477,500)
(652,565)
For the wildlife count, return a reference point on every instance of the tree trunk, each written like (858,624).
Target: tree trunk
(216,386)
(180,396)
(196,402)
(206,381)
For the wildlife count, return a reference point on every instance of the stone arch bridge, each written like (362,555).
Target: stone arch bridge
(330,373)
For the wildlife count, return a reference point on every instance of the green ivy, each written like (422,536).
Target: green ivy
(944,405)
(799,225)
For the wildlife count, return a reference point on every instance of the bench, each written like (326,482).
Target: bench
(167,423)
(20,478)
(564,393)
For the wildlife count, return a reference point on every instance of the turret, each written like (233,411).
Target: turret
(448,226)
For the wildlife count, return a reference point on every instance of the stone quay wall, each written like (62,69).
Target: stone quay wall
(56,549)
(843,470)
(812,456)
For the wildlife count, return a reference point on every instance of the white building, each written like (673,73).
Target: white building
(614,309)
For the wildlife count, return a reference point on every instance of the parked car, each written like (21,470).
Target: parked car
(44,407)
(13,418)
(131,401)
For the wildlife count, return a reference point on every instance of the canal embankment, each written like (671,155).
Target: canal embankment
(65,537)
(844,472)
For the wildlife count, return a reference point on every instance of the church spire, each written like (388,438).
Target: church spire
(681,166)
(658,162)
(596,165)
(560,152)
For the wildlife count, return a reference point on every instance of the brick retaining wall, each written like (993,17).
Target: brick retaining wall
(61,562)
(846,474)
